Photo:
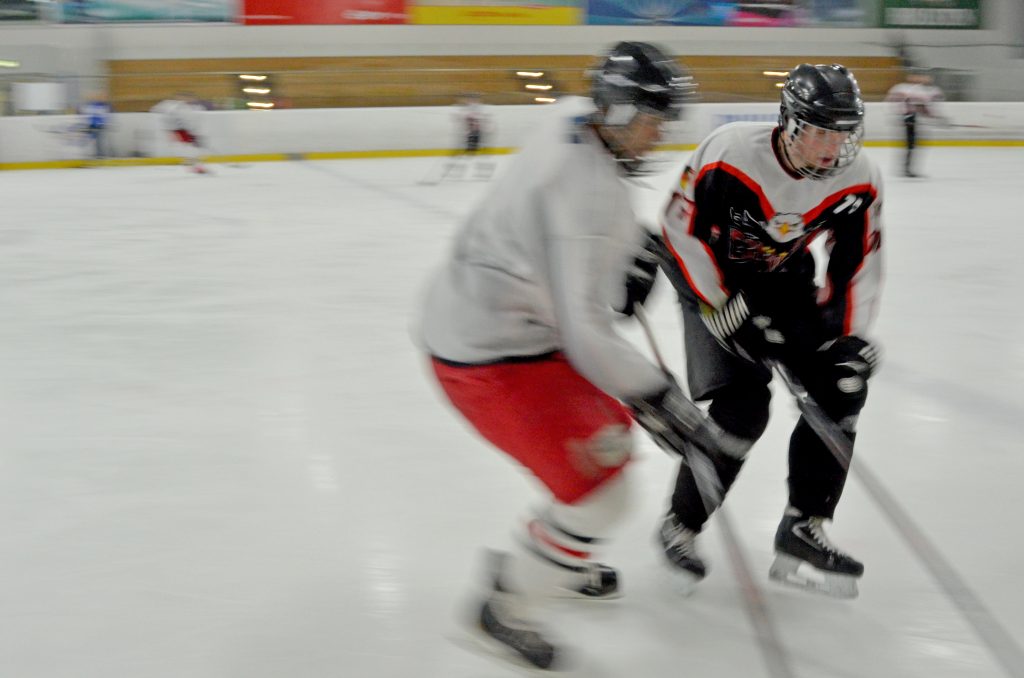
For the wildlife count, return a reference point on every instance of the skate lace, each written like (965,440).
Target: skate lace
(816,529)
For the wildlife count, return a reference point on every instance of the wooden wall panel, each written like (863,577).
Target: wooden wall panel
(137,85)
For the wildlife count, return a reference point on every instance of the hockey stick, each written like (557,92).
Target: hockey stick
(705,476)
(835,439)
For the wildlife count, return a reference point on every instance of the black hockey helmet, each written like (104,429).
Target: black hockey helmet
(826,97)
(635,78)
(640,76)
(823,96)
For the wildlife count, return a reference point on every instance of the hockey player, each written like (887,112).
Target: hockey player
(178,118)
(519,324)
(96,114)
(738,226)
(914,98)
(472,123)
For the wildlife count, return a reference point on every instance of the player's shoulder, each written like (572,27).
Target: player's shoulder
(863,172)
(736,144)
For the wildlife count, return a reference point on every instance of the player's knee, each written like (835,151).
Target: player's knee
(742,409)
(841,396)
(606,450)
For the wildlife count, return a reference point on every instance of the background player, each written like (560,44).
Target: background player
(179,117)
(915,97)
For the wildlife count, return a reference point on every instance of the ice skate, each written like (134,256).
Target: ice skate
(805,558)
(686,566)
(501,626)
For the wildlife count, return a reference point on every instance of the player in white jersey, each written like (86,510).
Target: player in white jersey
(914,98)
(519,323)
(179,119)
(738,227)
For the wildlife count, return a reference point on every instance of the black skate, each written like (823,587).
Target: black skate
(596,582)
(679,544)
(520,640)
(805,558)
(500,627)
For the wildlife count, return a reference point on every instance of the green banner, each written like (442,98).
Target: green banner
(19,10)
(931,13)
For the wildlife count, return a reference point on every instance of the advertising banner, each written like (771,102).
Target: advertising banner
(732,12)
(931,13)
(19,10)
(539,12)
(114,11)
(266,12)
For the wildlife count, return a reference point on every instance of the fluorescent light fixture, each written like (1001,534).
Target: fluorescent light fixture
(780,85)
(776,74)
(256,90)
(543,88)
(5,63)
(544,100)
(530,74)
(263,105)
(257,78)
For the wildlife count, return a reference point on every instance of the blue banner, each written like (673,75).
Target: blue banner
(117,11)
(730,12)
(663,12)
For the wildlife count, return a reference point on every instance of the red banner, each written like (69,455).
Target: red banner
(264,12)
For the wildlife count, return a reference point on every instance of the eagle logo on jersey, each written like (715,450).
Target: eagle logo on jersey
(748,244)
(786,227)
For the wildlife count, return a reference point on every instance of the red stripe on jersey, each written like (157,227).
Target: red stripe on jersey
(538,533)
(766,206)
(851,299)
(686,273)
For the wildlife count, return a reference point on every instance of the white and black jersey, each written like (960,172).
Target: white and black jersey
(911,98)
(540,264)
(738,214)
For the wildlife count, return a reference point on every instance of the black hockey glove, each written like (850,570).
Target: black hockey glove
(849,358)
(673,421)
(642,275)
(744,331)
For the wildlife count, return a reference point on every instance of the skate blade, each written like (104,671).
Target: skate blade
(564,593)
(683,582)
(799,574)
